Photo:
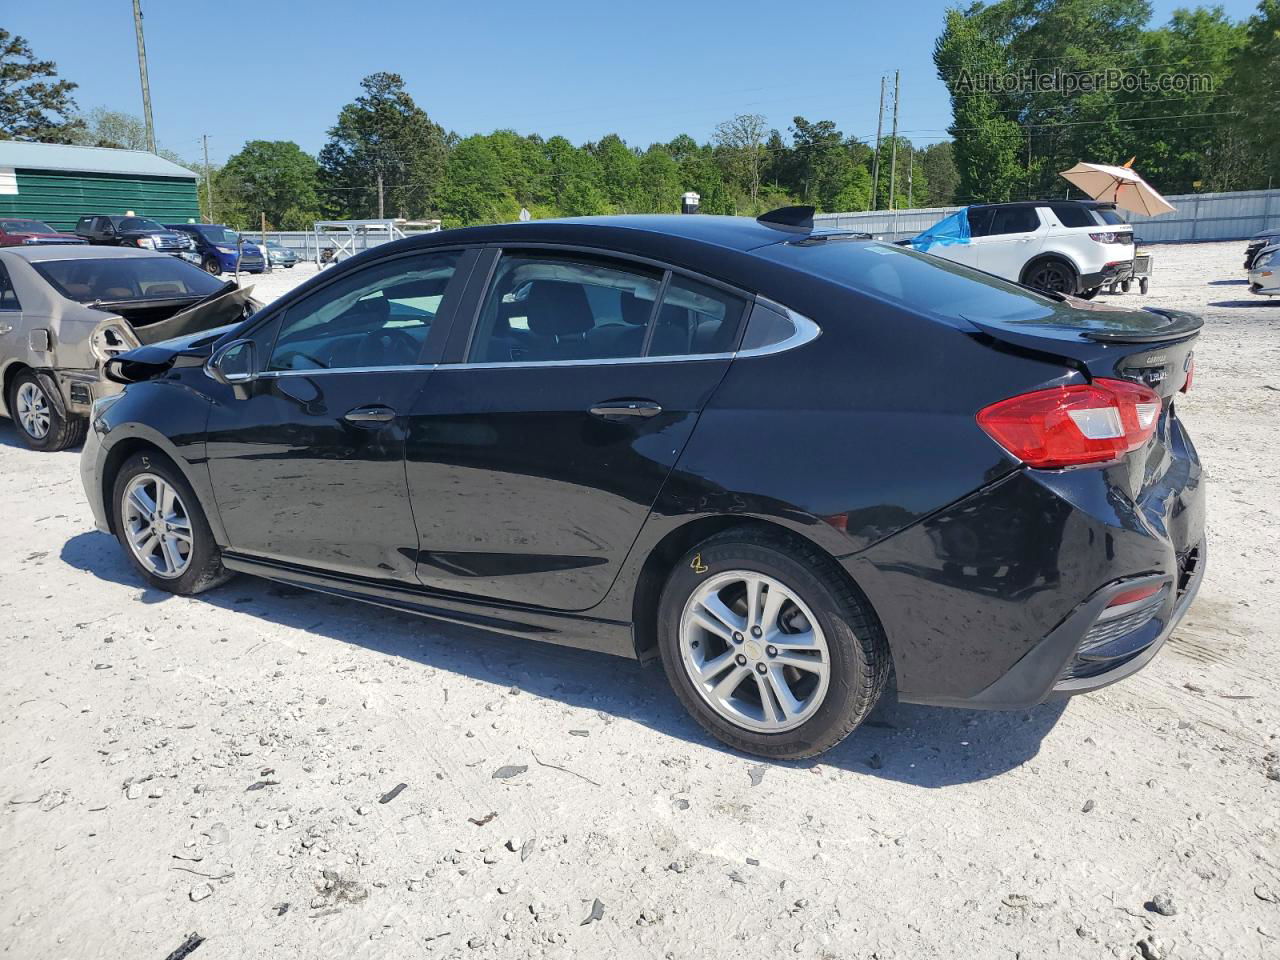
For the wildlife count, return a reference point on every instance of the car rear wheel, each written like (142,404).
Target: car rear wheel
(40,425)
(1051,274)
(160,523)
(212,265)
(769,646)
(1090,294)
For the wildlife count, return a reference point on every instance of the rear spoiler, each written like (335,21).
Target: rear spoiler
(1181,324)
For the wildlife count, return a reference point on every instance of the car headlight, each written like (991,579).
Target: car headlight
(109,341)
(1264,261)
(226,249)
(103,404)
(146,242)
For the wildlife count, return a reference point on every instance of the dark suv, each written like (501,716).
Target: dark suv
(130,231)
(218,248)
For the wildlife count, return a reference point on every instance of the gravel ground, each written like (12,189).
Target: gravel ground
(227,765)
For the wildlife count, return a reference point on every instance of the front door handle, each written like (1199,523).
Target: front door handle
(364,415)
(620,409)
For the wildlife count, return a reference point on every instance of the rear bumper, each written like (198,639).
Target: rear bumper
(990,603)
(1109,273)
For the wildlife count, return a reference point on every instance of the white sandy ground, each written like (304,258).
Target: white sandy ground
(134,727)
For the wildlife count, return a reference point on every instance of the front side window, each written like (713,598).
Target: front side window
(377,317)
(222,235)
(139,223)
(552,309)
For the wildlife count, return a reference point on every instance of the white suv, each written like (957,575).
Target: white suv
(1066,246)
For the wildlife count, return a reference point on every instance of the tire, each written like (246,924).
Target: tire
(1090,294)
(212,266)
(815,593)
(1052,274)
(1142,285)
(200,568)
(36,419)
(1125,286)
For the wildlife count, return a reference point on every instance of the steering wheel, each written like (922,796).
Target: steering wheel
(387,347)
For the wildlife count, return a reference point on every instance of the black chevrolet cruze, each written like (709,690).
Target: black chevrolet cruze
(788,463)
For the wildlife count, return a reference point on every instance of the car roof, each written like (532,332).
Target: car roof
(1090,204)
(628,231)
(42,253)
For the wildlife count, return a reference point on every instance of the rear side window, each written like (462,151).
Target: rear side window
(554,309)
(1014,220)
(979,221)
(695,318)
(8,298)
(1069,215)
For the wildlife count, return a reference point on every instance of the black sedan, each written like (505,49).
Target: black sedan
(786,463)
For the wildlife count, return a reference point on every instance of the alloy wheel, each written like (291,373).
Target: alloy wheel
(1051,277)
(157,526)
(33,410)
(754,651)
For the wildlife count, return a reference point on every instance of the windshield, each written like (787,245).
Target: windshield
(920,282)
(117,279)
(219,234)
(26,226)
(140,223)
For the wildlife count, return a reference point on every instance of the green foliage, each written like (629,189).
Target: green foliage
(272,177)
(34,105)
(938,164)
(383,135)
(1013,143)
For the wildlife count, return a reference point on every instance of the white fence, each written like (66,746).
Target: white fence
(1199,216)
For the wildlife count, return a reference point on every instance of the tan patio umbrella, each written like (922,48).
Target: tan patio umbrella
(1118,185)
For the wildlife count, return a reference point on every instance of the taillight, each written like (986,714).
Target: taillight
(1109,237)
(1072,426)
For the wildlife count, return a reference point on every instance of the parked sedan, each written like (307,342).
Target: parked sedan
(1264,278)
(281,256)
(66,309)
(16,233)
(786,464)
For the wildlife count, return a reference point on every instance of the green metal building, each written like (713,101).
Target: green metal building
(60,184)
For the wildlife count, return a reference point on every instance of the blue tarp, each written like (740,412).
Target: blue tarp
(954,229)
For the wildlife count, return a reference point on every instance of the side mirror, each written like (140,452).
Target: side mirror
(235,363)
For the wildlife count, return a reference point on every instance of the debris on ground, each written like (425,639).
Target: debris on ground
(597,912)
(393,793)
(186,948)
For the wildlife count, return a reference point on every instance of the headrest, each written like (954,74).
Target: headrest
(557,308)
(635,311)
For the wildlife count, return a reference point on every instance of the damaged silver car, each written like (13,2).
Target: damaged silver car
(66,310)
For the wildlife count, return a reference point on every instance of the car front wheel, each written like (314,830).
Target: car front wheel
(769,646)
(212,266)
(160,523)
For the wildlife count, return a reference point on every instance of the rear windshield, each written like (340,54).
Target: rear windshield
(26,226)
(116,279)
(920,282)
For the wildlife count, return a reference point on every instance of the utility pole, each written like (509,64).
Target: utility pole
(875,163)
(142,74)
(893,151)
(208,181)
(381,211)
(910,170)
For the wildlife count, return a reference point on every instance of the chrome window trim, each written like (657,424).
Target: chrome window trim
(321,371)
(805,332)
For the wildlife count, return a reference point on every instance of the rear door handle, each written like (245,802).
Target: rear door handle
(364,415)
(621,409)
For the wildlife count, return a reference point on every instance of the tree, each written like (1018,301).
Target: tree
(823,169)
(272,177)
(33,105)
(988,142)
(111,128)
(658,186)
(1254,137)
(939,165)
(473,190)
(383,138)
(741,144)
(619,173)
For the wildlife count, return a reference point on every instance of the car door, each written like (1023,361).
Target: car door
(13,335)
(307,460)
(1015,235)
(534,456)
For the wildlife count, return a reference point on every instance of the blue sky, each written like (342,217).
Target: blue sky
(281,69)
